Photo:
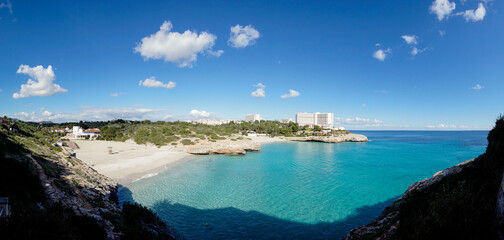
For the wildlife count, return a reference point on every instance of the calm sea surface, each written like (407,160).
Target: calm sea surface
(299,190)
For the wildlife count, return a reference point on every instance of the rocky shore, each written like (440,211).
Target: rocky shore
(465,201)
(351,137)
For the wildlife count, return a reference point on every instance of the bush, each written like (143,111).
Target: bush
(187,142)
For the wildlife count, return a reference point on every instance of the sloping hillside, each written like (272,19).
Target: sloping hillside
(56,196)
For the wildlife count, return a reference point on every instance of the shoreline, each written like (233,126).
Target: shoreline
(130,162)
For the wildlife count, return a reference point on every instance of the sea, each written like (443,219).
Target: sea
(298,190)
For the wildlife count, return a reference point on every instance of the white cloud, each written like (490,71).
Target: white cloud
(441,126)
(410,39)
(442,8)
(442,33)
(180,48)
(168,116)
(475,15)
(152,82)
(196,113)
(477,87)
(93,114)
(416,51)
(381,54)
(291,94)
(241,37)
(359,121)
(260,92)
(7,4)
(42,83)
(260,85)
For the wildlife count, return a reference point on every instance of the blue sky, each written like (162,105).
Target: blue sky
(346,57)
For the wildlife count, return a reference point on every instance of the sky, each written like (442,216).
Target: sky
(398,65)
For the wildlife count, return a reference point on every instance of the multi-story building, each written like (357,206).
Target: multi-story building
(252,117)
(324,120)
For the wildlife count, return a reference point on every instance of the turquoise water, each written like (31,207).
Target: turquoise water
(298,190)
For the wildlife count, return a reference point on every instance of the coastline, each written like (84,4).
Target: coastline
(128,161)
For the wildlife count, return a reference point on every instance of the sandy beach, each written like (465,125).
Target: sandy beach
(128,161)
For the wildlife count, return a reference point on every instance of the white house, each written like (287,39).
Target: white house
(78,132)
(92,132)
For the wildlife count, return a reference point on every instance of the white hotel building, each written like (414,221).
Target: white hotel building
(324,120)
(252,117)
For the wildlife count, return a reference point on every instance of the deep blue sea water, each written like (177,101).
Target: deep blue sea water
(299,190)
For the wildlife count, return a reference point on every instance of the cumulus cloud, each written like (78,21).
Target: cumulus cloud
(410,39)
(381,54)
(152,82)
(180,48)
(291,94)
(474,15)
(477,87)
(92,114)
(416,51)
(259,92)
(42,83)
(196,113)
(260,85)
(241,37)
(442,8)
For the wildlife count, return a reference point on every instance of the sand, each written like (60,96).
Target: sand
(129,161)
(264,140)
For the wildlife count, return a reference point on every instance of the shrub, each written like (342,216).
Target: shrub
(187,142)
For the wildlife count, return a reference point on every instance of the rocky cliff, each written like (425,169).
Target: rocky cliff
(462,202)
(54,195)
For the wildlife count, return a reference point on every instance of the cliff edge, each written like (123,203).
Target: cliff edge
(465,201)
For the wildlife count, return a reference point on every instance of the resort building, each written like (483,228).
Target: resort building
(324,120)
(252,117)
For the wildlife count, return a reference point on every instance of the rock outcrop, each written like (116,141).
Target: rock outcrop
(465,201)
(351,137)
(238,147)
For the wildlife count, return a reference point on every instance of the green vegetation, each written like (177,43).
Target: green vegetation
(162,133)
(33,215)
(187,142)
